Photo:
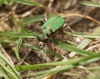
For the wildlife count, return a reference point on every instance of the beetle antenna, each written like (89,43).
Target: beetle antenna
(38,38)
(67,25)
(76,21)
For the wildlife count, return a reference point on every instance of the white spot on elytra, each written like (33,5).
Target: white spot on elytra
(57,20)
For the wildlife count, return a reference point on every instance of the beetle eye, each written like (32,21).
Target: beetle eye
(44,27)
(51,30)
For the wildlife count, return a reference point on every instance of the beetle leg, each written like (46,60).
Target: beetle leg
(44,18)
(55,49)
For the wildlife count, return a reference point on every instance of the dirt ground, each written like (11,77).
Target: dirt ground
(64,7)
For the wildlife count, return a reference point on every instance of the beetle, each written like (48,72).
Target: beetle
(50,27)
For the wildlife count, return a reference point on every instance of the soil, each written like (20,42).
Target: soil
(62,7)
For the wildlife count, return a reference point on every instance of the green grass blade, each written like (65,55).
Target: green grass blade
(23,35)
(87,35)
(24,44)
(10,65)
(3,74)
(46,65)
(74,49)
(69,64)
(90,3)
(28,2)
(81,61)
(8,72)
(7,2)
(29,20)
(64,68)
(17,48)
(93,68)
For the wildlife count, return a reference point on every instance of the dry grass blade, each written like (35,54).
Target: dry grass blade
(6,54)
(79,15)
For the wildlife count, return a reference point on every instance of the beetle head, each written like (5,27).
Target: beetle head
(41,45)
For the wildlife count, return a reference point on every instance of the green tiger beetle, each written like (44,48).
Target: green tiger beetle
(50,27)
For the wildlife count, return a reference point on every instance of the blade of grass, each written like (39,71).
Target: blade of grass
(72,61)
(48,72)
(27,45)
(23,35)
(7,2)
(3,74)
(29,2)
(29,20)
(9,73)
(83,61)
(74,49)
(90,3)
(17,48)
(93,68)
(87,35)
(46,65)
(10,65)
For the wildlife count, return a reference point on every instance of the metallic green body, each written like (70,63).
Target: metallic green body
(52,24)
